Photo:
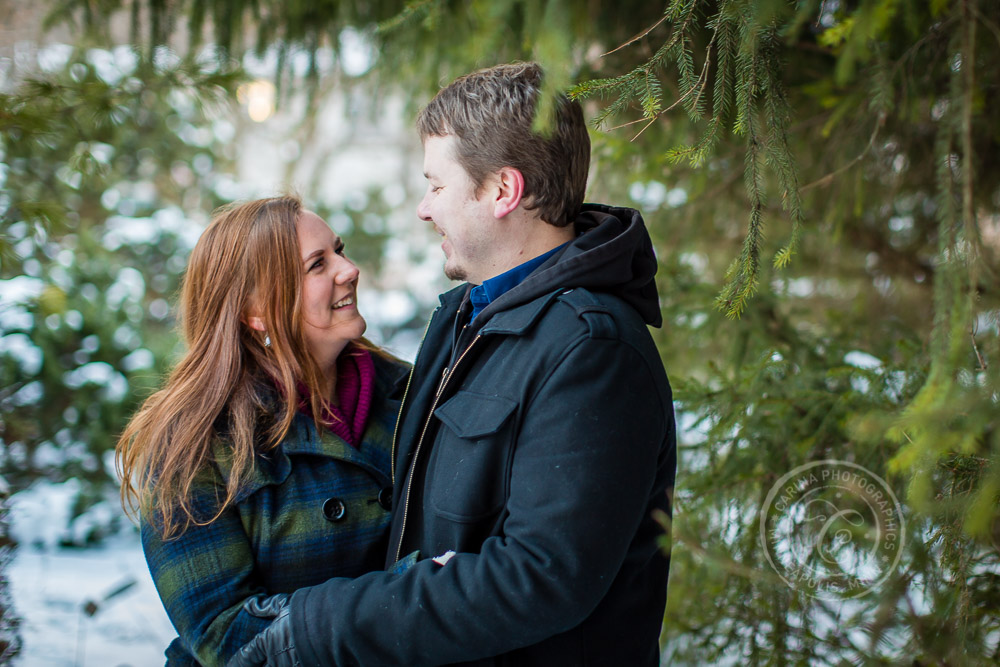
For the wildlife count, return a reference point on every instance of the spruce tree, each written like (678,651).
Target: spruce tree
(819,181)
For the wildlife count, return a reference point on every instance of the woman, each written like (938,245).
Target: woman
(263,465)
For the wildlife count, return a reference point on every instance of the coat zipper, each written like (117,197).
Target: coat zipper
(445,376)
(402,403)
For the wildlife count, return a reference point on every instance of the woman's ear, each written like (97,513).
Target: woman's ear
(510,191)
(255,323)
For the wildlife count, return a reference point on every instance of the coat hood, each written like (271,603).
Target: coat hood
(611,253)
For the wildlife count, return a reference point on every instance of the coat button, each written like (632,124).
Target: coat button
(334,509)
(385,498)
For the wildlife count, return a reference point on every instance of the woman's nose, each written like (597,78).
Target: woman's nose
(346,271)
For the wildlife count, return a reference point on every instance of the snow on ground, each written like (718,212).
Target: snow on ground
(50,588)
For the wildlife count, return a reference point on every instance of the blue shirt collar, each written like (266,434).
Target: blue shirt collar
(482,295)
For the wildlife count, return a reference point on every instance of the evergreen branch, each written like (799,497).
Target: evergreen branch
(744,274)
(744,92)
(652,119)
(641,83)
(703,78)
(828,178)
(697,90)
(687,13)
(651,96)
(778,148)
(979,357)
(601,86)
(722,90)
(638,36)
(411,12)
(631,122)
(644,128)
(728,564)
(744,284)
(614,108)
(696,154)
(688,81)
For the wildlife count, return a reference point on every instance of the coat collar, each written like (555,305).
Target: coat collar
(519,319)
(274,466)
(514,321)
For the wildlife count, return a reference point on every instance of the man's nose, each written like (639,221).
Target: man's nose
(424,210)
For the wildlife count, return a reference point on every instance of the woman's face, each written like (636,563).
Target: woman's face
(329,291)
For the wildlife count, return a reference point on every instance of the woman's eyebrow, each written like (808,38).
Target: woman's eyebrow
(314,253)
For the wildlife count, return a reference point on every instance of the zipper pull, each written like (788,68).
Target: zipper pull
(444,377)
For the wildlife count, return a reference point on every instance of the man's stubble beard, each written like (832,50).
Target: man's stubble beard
(455,272)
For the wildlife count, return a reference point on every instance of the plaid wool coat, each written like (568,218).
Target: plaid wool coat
(315,508)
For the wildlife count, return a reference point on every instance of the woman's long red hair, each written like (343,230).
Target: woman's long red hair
(248,257)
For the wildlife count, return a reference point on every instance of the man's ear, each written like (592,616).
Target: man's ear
(510,191)
(255,323)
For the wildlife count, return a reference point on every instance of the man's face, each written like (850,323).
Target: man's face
(464,220)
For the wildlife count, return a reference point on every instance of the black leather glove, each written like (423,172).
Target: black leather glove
(274,646)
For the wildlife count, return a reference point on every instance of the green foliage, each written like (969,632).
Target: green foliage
(857,135)
(743,63)
(903,117)
(99,156)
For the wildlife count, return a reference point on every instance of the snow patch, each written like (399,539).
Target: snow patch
(39,515)
(862,360)
(26,353)
(21,289)
(138,360)
(114,385)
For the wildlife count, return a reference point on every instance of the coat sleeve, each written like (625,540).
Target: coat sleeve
(203,578)
(582,474)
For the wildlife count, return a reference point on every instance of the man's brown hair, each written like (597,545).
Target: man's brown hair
(491,113)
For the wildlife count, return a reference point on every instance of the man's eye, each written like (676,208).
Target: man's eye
(340,249)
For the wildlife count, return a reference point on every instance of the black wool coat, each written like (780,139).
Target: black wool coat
(538,444)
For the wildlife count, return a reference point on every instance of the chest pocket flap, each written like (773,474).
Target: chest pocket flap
(473,416)
(469,460)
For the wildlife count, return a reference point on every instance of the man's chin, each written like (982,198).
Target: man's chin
(455,273)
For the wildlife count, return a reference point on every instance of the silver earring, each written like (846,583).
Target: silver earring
(267,341)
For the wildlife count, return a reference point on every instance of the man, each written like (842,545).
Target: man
(536,439)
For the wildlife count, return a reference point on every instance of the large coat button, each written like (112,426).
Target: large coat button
(334,509)
(385,498)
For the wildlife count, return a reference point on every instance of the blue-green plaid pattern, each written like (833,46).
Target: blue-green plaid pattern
(277,538)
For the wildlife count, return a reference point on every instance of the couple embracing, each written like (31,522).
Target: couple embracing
(307,499)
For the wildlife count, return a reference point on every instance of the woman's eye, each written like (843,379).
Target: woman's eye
(317,263)
(340,248)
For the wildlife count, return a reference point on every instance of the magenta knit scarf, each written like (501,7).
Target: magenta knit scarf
(355,384)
